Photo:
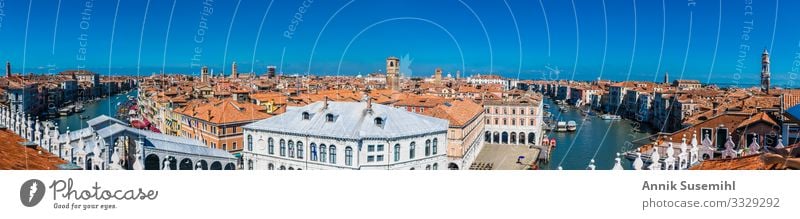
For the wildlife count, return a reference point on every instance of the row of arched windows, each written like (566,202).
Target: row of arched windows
(327,153)
(505,110)
(505,121)
(322,153)
(431,148)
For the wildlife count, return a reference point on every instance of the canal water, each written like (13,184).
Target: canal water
(606,138)
(105,106)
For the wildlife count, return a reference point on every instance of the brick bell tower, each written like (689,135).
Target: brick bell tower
(765,72)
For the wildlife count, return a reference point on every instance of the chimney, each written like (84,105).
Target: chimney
(325,105)
(369,104)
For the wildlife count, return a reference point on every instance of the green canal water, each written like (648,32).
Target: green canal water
(105,106)
(606,138)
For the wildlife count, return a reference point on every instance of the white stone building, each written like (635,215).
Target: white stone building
(346,135)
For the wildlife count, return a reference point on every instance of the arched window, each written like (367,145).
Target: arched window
(313,148)
(333,153)
(291,148)
(283,167)
(379,121)
(428,167)
(397,152)
(435,146)
(249,164)
(411,149)
(249,143)
(306,116)
(313,151)
(300,149)
(435,166)
(291,168)
(270,146)
(329,117)
(271,166)
(283,148)
(348,156)
(323,152)
(428,147)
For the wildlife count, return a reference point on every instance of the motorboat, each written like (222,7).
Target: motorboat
(66,111)
(78,108)
(571,126)
(561,126)
(610,117)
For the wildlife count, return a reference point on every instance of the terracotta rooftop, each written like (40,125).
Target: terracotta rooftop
(224,111)
(14,156)
(458,112)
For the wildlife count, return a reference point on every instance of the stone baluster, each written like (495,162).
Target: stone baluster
(655,157)
(780,142)
(638,163)
(591,165)
(617,163)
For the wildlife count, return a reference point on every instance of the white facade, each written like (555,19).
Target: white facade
(513,122)
(354,139)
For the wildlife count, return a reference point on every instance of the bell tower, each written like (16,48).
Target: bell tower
(393,73)
(765,72)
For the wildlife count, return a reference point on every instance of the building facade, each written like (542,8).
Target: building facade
(513,121)
(346,135)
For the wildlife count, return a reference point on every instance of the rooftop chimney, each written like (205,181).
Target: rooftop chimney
(369,104)
(325,105)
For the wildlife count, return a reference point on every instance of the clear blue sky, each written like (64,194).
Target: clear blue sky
(433,33)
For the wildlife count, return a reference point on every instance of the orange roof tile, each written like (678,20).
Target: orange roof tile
(224,111)
(14,156)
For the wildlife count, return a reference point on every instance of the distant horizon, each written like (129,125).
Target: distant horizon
(535,75)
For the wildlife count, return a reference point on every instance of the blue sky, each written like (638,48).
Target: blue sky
(513,37)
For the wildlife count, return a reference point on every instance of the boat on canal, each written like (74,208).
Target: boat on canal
(66,111)
(78,108)
(610,117)
(571,126)
(561,126)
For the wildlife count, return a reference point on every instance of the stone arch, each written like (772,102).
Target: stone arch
(522,138)
(487,137)
(452,166)
(173,163)
(152,162)
(532,138)
(216,165)
(230,166)
(186,164)
(496,138)
(513,138)
(504,138)
(202,165)
(89,164)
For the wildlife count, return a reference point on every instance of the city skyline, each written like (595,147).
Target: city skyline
(472,36)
